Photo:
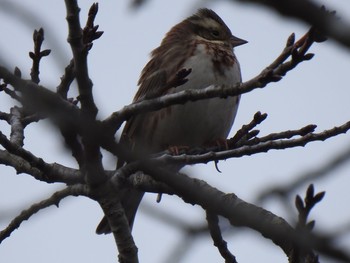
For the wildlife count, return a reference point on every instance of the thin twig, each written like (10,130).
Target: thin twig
(16,149)
(66,80)
(75,190)
(304,209)
(90,32)
(11,93)
(288,134)
(219,242)
(255,148)
(258,118)
(37,55)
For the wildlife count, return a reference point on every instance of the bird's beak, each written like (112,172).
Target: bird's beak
(235,41)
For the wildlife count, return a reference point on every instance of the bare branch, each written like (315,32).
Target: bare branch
(90,32)
(80,51)
(49,101)
(63,113)
(92,155)
(55,199)
(243,132)
(259,147)
(16,149)
(5,116)
(66,80)
(240,213)
(11,93)
(17,127)
(30,118)
(37,55)
(119,225)
(50,173)
(144,182)
(71,139)
(286,134)
(219,242)
(311,13)
(304,209)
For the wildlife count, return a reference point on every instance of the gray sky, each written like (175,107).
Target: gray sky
(316,92)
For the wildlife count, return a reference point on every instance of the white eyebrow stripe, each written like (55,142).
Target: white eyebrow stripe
(207,23)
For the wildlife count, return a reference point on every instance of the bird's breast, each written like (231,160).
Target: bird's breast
(209,67)
(200,122)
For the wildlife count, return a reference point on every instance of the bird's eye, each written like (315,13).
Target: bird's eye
(215,33)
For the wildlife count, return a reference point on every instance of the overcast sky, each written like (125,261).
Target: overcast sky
(316,92)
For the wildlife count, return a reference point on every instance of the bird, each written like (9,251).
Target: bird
(203,46)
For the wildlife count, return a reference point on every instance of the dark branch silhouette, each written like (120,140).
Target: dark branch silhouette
(55,199)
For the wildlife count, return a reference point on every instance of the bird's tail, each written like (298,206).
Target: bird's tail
(130,199)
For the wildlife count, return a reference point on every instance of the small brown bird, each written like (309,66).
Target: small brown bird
(204,45)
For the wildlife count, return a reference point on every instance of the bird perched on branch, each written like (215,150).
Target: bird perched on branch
(201,49)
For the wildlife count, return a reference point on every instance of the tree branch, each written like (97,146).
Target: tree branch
(75,190)
(256,146)
(63,113)
(304,209)
(240,213)
(17,127)
(144,182)
(11,93)
(311,13)
(219,242)
(108,196)
(66,80)
(37,55)
(5,116)
(119,225)
(39,98)
(92,156)
(80,51)
(53,173)
(16,149)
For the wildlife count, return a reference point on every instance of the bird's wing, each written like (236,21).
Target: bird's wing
(150,88)
(162,73)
